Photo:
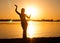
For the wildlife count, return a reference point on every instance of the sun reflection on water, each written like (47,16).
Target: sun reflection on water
(30,30)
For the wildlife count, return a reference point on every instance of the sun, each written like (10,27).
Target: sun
(30,10)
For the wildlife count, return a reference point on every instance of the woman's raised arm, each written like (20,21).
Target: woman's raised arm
(16,10)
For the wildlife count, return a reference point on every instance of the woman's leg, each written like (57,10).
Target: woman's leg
(24,34)
(24,31)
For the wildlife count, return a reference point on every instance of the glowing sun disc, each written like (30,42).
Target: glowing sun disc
(31,11)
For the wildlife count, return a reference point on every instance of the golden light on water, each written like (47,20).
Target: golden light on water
(10,21)
(30,30)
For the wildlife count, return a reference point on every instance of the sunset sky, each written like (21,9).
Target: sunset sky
(42,9)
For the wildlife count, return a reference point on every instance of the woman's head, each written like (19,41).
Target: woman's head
(22,10)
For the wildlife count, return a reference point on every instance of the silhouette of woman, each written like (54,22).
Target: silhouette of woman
(23,20)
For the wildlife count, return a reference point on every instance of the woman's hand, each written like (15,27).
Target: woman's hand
(16,5)
(29,16)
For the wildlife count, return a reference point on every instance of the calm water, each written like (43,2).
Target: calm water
(35,29)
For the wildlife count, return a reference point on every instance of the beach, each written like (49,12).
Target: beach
(33,40)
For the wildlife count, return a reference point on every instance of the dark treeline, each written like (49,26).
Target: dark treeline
(9,20)
(30,20)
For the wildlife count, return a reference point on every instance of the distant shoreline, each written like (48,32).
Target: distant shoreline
(31,20)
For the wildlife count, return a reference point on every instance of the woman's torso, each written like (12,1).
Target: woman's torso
(23,19)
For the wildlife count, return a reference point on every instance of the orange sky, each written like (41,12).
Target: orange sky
(47,9)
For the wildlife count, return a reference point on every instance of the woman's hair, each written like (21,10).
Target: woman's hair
(22,9)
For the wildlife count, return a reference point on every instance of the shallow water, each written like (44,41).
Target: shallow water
(13,29)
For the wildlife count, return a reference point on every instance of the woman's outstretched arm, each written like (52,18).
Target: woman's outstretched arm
(27,16)
(16,10)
